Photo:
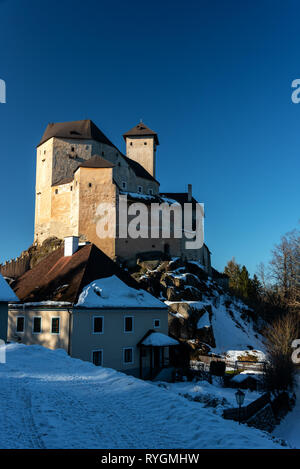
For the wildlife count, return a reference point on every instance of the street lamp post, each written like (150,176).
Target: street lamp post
(240,397)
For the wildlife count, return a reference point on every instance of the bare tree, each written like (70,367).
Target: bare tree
(280,370)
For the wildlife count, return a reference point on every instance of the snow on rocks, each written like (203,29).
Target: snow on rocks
(113,292)
(50,400)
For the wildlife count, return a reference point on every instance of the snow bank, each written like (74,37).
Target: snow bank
(49,400)
(6,293)
(112,292)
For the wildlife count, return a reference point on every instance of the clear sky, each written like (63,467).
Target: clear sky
(212,77)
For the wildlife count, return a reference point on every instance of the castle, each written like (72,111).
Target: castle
(78,167)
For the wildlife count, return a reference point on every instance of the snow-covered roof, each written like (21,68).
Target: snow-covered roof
(7,295)
(157,339)
(112,292)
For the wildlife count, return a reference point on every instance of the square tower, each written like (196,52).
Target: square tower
(141,143)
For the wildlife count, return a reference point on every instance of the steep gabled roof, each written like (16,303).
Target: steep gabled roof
(83,129)
(96,162)
(59,278)
(141,130)
(88,279)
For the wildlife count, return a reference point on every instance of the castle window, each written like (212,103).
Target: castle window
(72,149)
(124,185)
(44,152)
(131,144)
(56,191)
(90,184)
(44,159)
(145,143)
(71,188)
(140,189)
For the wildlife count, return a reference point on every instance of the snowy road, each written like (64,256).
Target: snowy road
(289,429)
(49,400)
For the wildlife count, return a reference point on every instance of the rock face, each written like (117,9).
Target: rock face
(183,285)
(194,299)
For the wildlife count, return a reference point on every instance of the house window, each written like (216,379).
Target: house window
(124,185)
(98,323)
(128,324)
(20,323)
(140,189)
(97,357)
(156,323)
(55,325)
(128,355)
(150,191)
(37,325)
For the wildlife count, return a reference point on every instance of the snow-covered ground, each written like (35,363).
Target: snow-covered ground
(49,400)
(212,395)
(289,429)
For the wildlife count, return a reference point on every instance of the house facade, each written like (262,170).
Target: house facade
(79,300)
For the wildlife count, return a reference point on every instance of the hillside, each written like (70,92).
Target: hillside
(201,312)
(50,400)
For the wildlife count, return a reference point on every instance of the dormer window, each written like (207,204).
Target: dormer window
(140,189)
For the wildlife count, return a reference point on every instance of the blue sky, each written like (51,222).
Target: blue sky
(212,77)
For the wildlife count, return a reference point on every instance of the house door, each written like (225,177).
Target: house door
(157,354)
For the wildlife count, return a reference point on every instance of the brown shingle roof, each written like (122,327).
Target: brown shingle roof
(96,162)
(83,129)
(60,278)
(141,130)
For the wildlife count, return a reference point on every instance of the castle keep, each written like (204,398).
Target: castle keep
(78,168)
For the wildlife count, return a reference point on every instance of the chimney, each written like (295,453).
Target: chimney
(190,193)
(71,245)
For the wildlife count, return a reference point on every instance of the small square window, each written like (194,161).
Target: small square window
(145,143)
(128,355)
(124,185)
(55,325)
(37,325)
(156,323)
(56,191)
(20,323)
(128,324)
(98,325)
(140,189)
(97,357)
